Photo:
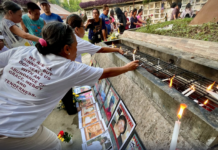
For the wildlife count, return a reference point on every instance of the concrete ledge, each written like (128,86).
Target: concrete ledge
(200,48)
(142,91)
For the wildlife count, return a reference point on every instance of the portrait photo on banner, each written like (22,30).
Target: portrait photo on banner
(121,126)
(103,89)
(88,109)
(109,105)
(92,131)
(89,119)
(101,142)
(86,99)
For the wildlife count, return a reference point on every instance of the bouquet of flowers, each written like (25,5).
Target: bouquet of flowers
(65,137)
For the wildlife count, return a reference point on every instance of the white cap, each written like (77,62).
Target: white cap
(1,37)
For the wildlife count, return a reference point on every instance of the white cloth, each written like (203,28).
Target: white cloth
(96,145)
(33,84)
(85,47)
(185,12)
(44,139)
(3,49)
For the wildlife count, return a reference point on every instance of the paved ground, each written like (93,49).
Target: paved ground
(59,120)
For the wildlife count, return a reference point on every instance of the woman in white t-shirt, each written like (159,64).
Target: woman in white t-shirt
(35,79)
(13,35)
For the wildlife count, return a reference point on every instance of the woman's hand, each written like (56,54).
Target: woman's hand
(132,65)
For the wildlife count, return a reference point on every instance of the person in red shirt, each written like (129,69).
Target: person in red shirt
(127,20)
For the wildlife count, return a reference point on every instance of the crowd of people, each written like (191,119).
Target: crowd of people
(40,64)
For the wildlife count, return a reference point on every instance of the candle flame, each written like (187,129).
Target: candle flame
(205,103)
(171,81)
(182,107)
(210,86)
(193,87)
(134,51)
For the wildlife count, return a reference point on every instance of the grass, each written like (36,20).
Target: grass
(85,38)
(206,32)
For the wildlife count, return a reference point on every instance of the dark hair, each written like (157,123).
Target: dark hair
(112,13)
(74,21)
(57,35)
(112,100)
(140,10)
(174,4)
(96,10)
(180,5)
(105,6)
(110,18)
(122,117)
(9,5)
(124,11)
(32,6)
(188,6)
(105,138)
(134,10)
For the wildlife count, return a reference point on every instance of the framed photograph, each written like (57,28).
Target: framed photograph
(89,119)
(88,110)
(86,99)
(103,89)
(96,88)
(82,89)
(101,142)
(109,105)
(121,126)
(134,143)
(92,131)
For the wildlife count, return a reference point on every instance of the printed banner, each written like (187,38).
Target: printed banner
(81,89)
(121,126)
(89,119)
(92,131)
(104,87)
(89,109)
(101,142)
(109,105)
(134,143)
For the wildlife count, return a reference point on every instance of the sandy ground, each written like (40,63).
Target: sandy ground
(59,120)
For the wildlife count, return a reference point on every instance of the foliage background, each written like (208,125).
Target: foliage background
(70,5)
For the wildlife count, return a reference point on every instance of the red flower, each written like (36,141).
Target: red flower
(151,15)
(61,133)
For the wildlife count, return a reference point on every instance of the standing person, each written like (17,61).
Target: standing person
(48,16)
(134,20)
(175,13)
(169,13)
(105,18)
(13,35)
(130,16)
(139,17)
(29,93)
(122,19)
(3,48)
(188,12)
(31,22)
(112,15)
(127,20)
(97,28)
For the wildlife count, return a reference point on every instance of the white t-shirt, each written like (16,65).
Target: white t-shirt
(85,47)
(33,84)
(3,49)
(96,145)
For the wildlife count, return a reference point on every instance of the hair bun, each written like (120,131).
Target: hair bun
(42,50)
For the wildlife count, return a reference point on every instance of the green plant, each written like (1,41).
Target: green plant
(64,136)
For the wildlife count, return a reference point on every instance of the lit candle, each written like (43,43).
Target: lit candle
(171,81)
(215,95)
(192,88)
(176,128)
(205,103)
(133,54)
(165,79)
(187,90)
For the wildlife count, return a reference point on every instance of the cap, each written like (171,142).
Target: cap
(33,6)
(43,1)
(1,37)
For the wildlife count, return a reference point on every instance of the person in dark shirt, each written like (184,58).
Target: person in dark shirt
(119,128)
(122,19)
(48,16)
(175,13)
(127,20)
(134,20)
(96,26)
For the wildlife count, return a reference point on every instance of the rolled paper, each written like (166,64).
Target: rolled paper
(186,91)
(175,135)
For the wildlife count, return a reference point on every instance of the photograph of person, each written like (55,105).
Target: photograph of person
(86,103)
(134,143)
(96,88)
(93,130)
(90,119)
(101,142)
(121,126)
(101,94)
(89,109)
(85,96)
(82,89)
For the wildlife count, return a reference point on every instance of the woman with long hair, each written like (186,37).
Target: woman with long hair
(188,12)
(122,19)
(139,17)
(112,15)
(13,35)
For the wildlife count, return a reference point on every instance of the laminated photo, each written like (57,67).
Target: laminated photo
(92,131)
(96,88)
(89,119)
(103,89)
(88,109)
(134,143)
(120,126)
(82,89)
(101,142)
(86,99)
(109,105)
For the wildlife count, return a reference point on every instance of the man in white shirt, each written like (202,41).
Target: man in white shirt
(3,48)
